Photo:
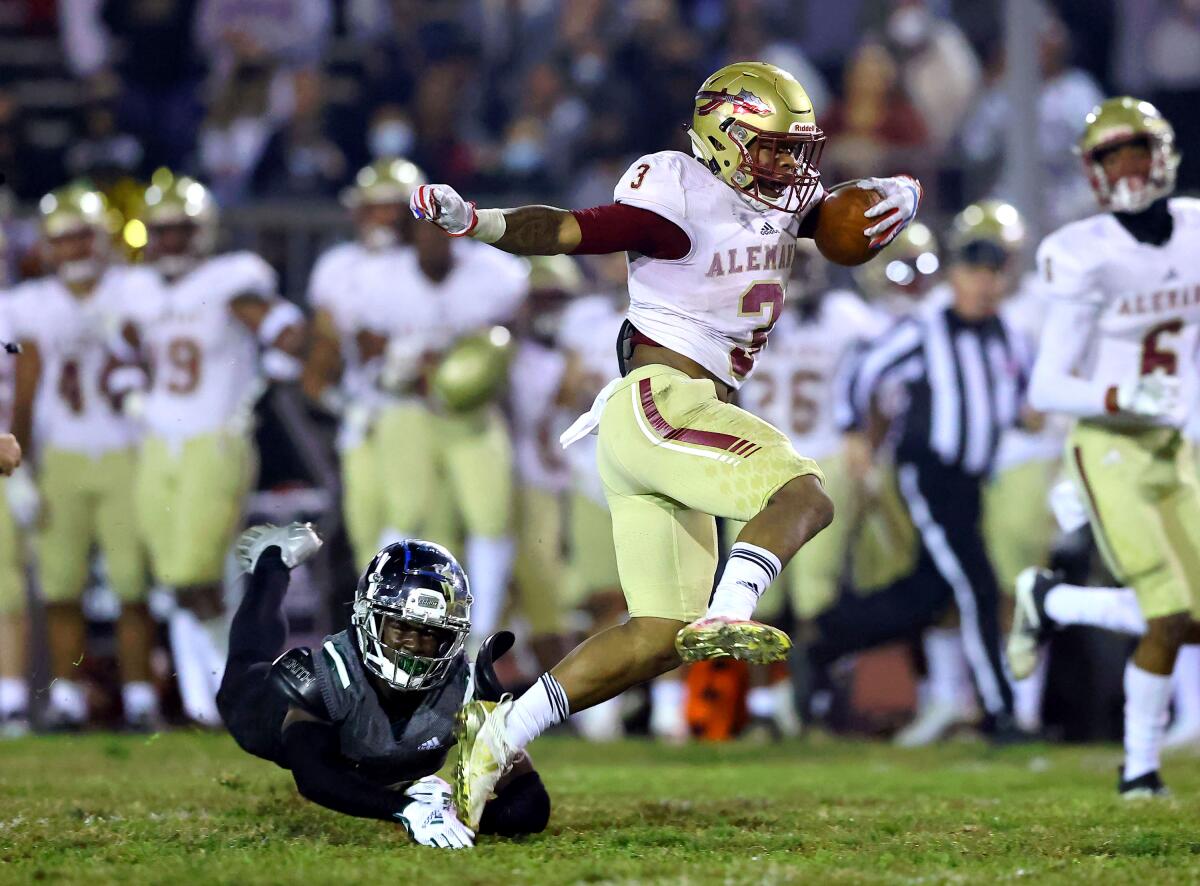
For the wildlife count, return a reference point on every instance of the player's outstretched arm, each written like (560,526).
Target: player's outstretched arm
(526,230)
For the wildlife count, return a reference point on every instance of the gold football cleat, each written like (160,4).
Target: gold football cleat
(484,755)
(723,637)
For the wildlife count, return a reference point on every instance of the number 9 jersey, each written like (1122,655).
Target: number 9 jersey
(718,303)
(203,360)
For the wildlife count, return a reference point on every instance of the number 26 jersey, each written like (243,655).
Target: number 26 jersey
(718,303)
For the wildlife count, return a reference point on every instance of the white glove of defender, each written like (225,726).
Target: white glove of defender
(401,362)
(443,206)
(430,789)
(901,197)
(1155,395)
(434,823)
(24,500)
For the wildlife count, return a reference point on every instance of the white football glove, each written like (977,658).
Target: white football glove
(401,362)
(443,206)
(901,197)
(1155,395)
(431,825)
(432,790)
(24,500)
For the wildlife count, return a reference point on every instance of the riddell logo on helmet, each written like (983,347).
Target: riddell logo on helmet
(745,102)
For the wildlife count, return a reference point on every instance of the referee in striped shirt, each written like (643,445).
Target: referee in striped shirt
(955,377)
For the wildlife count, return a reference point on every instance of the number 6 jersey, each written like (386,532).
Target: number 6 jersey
(73,410)
(203,360)
(717,304)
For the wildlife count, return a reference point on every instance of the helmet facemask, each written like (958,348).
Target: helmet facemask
(400,667)
(1127,194)
(788,187)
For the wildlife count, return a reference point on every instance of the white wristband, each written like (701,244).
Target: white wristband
(279,317)
(489,226)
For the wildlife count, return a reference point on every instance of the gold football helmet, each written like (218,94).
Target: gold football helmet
(989,221)
(904,270)
(379,200)
(474,371)
(67,214)
(1119,121)
(750,109)
(180,216)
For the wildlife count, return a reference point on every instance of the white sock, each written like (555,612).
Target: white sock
(68,698)
(666,707)
(14,696)
(748,572)
(949,674)
(1146,699)
(1027,697)
(193,662)
(543,705)
(139,700)
(1185,684)
(760,702)
(212,642)
(489,562)
(1114,609)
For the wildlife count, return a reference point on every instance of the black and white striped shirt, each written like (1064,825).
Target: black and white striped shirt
(954,385)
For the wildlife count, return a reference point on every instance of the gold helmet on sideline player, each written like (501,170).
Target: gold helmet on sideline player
(74,226)
(904,270)
(745,108)
(474,371)
(180,216)
(1120,121)
(378,199)
(989,233)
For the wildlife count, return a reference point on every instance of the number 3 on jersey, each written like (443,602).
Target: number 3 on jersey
(764,300)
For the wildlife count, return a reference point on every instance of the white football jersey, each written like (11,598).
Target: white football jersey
(73,411)
(204,362)
(1148,296)
(536,374)
(793,387)
(341,280)
(1025,313)
(484,287)
(588,333)
(717,304)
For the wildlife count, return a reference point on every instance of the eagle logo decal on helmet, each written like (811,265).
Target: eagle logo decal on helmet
(745,102)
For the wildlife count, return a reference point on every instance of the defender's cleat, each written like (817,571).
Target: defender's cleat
(724,637)
(1145,787)
(296,542)
(1030,624)
(484,755)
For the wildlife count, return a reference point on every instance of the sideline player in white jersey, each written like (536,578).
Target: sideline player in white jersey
(711,239)
(14,619)
(336,374)
(67,418)
(444,432)
(1117,353)
(536,377)
(199,325)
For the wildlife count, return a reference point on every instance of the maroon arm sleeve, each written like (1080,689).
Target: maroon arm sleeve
(618,227)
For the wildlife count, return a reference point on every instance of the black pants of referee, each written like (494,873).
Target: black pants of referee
(946,508)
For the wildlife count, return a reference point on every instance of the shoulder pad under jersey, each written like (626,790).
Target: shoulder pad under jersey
(293,674)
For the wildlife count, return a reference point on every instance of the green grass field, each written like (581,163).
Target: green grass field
(191,808)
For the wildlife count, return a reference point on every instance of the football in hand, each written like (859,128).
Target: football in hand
(839,235)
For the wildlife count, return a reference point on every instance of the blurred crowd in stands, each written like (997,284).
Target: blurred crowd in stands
(286,99)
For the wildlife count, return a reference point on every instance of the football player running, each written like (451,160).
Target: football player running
(209,327)
(67,393)
(365,721)
(711,239)
(339,373)
(1117,353)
